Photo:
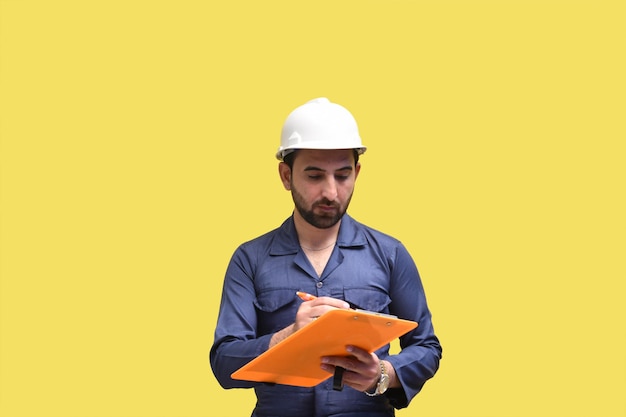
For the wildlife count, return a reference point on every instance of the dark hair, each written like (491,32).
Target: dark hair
(289,158)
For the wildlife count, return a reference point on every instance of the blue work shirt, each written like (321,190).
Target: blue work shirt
(368,269)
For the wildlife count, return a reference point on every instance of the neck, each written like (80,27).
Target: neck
(314,238)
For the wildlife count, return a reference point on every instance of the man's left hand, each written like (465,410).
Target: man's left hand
(362,369)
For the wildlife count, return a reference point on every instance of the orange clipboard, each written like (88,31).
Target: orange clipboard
(296,360)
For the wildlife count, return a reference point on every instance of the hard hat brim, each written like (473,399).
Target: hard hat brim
(282,152)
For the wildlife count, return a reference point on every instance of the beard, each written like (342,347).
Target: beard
(324,220)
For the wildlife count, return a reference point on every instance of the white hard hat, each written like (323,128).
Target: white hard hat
(319,124)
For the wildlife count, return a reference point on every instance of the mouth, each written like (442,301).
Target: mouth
(325,208)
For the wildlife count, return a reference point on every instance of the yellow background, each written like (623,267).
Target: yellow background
(137,143)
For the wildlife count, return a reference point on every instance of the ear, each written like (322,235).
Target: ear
(285,175)
(357,169)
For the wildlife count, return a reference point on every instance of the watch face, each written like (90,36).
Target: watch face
(383,384)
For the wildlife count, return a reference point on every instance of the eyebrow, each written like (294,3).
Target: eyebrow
(314,168)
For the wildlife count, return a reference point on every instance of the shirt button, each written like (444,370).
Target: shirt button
(319,284)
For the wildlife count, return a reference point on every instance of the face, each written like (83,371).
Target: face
(321,184)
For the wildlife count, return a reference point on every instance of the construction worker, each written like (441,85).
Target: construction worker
(323,251)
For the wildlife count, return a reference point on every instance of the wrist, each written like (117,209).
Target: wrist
(381,385)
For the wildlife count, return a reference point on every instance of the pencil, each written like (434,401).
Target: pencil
(305,296)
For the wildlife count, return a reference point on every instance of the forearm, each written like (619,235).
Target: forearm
(281,335)
(412,368)
(227,356)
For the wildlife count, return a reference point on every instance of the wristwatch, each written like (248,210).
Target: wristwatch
(383,382)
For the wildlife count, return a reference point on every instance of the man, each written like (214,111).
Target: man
(321,250)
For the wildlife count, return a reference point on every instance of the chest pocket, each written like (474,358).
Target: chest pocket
(367,299)
(276,309)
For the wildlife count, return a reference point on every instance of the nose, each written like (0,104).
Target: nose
(330,189)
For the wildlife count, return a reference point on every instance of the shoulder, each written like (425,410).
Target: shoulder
(369,241)
(356,235)
(259,242)
(277,239)
(362,233)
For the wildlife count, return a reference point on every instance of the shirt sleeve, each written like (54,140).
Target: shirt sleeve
(421,351)
(235,341)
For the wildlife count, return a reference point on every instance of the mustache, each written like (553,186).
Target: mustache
(326,202)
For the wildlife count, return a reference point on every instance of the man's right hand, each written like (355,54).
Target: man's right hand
(307,313)
(311,310)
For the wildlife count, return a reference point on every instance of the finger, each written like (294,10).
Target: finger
(348,363)
(349,378)
(357,374)
(362,355)
(330,302)
(356,380)
(318,310)
(328,368)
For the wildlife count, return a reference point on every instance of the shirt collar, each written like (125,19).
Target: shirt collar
(286,240)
